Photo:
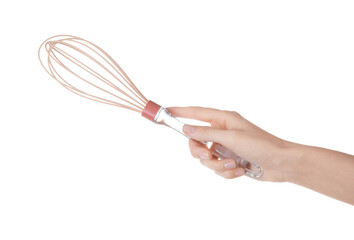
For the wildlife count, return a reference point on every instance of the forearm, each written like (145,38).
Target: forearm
(325,171)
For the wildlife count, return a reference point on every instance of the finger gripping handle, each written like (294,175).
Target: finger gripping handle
(160,115)
(251,169)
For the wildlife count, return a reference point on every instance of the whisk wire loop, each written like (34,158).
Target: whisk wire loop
(59,59)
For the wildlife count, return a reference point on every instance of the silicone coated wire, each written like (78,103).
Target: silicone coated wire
(134,100)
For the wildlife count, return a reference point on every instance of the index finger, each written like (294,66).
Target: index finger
(198,113)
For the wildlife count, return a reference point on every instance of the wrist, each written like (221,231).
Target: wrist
(293,157)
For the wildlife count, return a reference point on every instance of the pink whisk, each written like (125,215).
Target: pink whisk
(85,69)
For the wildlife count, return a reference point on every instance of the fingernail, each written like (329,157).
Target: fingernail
(230,165)
(239,172)
(204,155)
(187,129)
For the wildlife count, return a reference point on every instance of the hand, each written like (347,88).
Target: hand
(242,137)
(326,171)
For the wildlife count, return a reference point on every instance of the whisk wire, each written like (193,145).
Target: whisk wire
(81,93)
(118,69)
(55,55)
(101,65)
(91,72)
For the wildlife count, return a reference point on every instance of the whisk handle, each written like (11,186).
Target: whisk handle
(160,115)
(251,169)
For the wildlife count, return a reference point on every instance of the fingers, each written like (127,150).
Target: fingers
(238,172)
(219,165)
(210,134)
(199,150)
(217,118)
(226,168)
(199,113)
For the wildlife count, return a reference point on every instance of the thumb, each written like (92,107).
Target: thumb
(208,134)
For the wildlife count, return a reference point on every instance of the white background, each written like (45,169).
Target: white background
(75,169)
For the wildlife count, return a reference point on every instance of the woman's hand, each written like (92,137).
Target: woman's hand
(242,137)
(326,171)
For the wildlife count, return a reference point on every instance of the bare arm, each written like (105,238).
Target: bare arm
(325,171)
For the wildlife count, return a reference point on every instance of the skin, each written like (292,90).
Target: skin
(325,171)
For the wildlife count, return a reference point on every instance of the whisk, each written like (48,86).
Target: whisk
(87,70)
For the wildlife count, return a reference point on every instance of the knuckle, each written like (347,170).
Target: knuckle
(236,114)
(203,132)
(233,113)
